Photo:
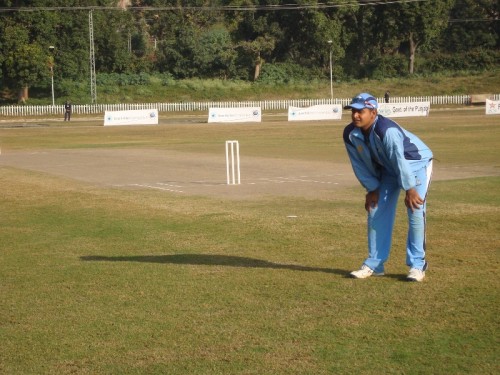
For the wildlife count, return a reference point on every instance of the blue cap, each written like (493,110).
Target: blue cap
(363,100)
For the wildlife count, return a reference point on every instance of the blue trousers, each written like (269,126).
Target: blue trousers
(381,223)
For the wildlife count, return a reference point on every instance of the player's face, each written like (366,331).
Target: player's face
(363,118)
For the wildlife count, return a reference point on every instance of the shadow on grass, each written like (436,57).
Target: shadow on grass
(399,277)
(210,260)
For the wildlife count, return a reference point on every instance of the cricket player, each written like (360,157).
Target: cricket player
(387,159)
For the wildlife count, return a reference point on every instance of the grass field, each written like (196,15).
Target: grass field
(100,279)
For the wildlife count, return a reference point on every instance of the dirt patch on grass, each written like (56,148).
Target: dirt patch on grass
(204,174)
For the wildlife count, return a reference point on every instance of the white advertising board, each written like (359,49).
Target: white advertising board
(315,112)
(245,114)
(404,109)
(492,107)
(132,117)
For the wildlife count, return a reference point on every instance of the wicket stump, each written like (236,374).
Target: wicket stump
(233,162)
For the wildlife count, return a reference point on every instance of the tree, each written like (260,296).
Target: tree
(235,38)
(25,63)
(473,25)
(255,49)
(214,53)
(178,32)
(417,23)
(72,45)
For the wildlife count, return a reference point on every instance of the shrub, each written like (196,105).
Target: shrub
(125,79)
(73,89)
(287,72)
(166,79)
(388,66)
(473,60)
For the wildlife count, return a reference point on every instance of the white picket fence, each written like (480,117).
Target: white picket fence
(89,109)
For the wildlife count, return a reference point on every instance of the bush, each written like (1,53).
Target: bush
(473,60)
(388,66)
(72,90)
(126,79)
(287,73)
(166,79)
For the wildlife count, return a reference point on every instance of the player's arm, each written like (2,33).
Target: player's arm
(395,148)
(366,176)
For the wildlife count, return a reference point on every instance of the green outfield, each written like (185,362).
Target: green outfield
(124,252)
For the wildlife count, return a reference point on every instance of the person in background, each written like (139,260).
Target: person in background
(387,158)
(386,96)
(67,111)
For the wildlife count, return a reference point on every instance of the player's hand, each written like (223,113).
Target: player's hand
(371,200)
(413,200)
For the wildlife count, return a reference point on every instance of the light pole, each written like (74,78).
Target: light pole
(93,87)
(331,70)
(51,49)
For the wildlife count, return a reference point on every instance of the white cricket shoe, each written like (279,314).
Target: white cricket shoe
(415,275)
(365,272)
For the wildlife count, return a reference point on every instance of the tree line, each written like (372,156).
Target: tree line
(247,40)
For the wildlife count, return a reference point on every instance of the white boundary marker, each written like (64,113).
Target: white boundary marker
(231,164)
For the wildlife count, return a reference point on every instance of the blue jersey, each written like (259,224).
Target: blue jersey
(388,149)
